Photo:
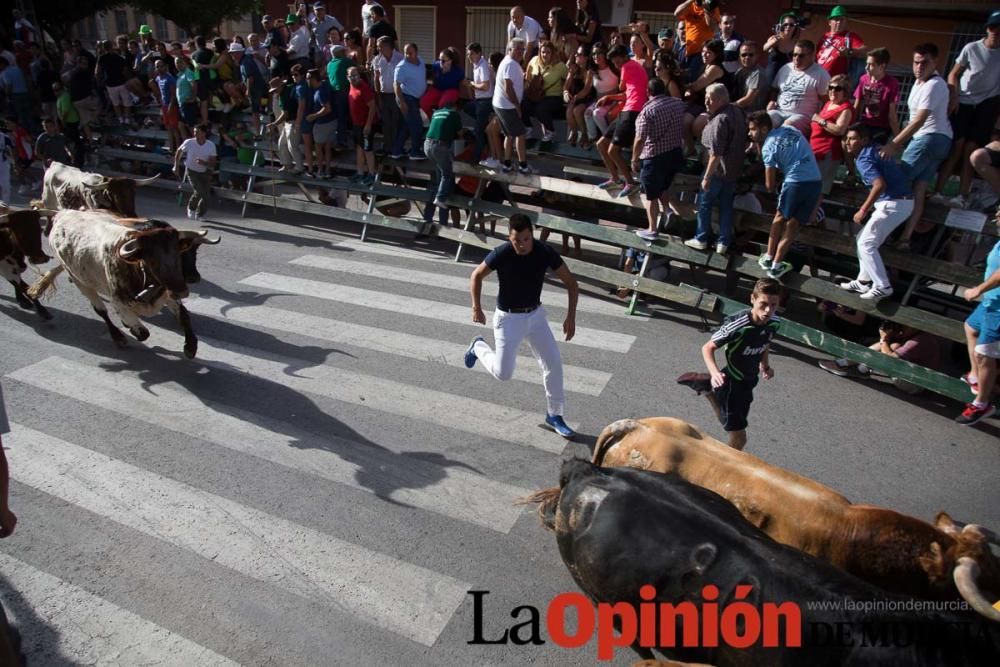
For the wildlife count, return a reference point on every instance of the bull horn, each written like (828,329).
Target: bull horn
(965,575)
(103,185)
(197,236)
(146,181)
(129,249)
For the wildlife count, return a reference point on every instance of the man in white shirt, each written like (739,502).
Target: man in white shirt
(298,41)
(799,89)
(481,106)
(384,66)
(199,159)
(507,95)
(526,28)
(928,127)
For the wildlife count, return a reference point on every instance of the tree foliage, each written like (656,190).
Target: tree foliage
(56,17)
(200,17)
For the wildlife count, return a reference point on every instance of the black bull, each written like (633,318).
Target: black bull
(620,529)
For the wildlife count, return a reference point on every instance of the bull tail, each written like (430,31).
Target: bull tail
(611,434)
(547,500)
(44,284)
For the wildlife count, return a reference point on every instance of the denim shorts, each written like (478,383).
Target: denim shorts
(986,321)
(797,201)
(925,154)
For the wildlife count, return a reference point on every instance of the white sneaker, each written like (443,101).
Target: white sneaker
(961,201)
(490,163)
(548,136)
(856,286)
(721,248)
(696,244)
(190,214)
(876,293)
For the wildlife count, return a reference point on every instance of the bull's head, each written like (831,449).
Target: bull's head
(26,232)
(159,252)
(190,240)
(976,568)
(117,193)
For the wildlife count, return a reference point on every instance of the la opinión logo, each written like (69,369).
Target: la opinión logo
(738,624)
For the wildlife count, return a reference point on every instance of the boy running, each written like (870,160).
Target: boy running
(746,335)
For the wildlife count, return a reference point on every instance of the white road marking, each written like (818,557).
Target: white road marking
(397,596)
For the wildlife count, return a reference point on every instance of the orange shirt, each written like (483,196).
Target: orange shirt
(696,31)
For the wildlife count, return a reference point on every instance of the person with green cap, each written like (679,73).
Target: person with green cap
(840,45)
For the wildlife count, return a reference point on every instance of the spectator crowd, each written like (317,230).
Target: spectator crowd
(802,111)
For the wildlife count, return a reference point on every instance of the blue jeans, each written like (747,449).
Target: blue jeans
(412,126)
(343,116)
(442,178)
(720,193)
(480,110)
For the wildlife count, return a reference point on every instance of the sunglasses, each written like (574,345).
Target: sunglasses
(833,88)
(746,55)
(787,25)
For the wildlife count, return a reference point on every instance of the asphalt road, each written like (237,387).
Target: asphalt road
(326,481)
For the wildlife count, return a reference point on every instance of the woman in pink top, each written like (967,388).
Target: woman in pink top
(633,85)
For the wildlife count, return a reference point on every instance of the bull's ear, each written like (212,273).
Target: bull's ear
(130,250)
(944,523)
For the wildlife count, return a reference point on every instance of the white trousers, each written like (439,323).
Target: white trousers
(289,147)
(887,214)
(509,329)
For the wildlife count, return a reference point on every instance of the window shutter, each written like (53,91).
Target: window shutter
(488,26)
(417,25)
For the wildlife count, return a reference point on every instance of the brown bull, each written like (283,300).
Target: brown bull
(891,550)
(21,243)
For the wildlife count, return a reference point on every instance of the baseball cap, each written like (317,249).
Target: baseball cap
(145,30)
(994,18)
(319,5)
(837,12)
(666,33)
(266,17)
(292,18)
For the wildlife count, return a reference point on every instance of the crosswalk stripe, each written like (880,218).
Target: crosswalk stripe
(576,379)
(550,298)
(451,492)
(89,630)
(390,250)
(403,598)
(402,305)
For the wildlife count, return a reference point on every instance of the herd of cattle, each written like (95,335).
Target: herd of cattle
(139,265)
(663,504)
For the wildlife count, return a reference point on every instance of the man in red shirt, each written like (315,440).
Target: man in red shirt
(361,103)
(839,45)
(633,86)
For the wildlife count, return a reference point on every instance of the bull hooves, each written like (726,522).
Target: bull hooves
(140,334)
(26,305)
(190,351)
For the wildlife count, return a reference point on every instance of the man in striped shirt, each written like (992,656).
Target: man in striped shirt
(656,151)
(746,335)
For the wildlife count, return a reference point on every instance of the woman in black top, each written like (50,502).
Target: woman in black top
(588,22)
(780,45)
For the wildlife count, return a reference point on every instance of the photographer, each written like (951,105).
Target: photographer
(639,29)
(780,45)
(701,22)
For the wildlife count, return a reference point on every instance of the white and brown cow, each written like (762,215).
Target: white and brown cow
(68,187)
(21,242)
(137,267)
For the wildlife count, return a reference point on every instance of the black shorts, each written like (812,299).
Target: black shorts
(975,122)
(622,132)
(657,173)
(734,399)
(206,87)
(365,141)
(190,113)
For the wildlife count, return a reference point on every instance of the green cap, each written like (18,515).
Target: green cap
(145,30)
(292,18)
(837,12)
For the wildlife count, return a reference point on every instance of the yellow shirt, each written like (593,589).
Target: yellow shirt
(553,76)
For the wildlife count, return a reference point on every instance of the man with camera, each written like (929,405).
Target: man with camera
(701,22)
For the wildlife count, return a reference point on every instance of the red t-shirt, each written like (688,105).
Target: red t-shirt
(635,80)
(829,54)
(821,141)
(357,100)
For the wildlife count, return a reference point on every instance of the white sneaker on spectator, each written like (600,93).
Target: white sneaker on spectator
(548,136)
(721,248)
(876,293)
(961,201)
(490,163)
(856,286)
(696,244)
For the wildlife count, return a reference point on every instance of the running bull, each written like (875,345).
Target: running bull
(21,241)
(136,267)
(676,568)
(68,187)
(900,553)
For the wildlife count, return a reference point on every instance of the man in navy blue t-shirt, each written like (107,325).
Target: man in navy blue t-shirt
(521,265)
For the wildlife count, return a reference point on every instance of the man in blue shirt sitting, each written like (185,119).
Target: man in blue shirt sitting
(785,149)
(890,203)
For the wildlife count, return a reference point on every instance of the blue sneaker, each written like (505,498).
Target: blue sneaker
(470,353)
(556,423)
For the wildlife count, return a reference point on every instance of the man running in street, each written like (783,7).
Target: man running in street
(521,264)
